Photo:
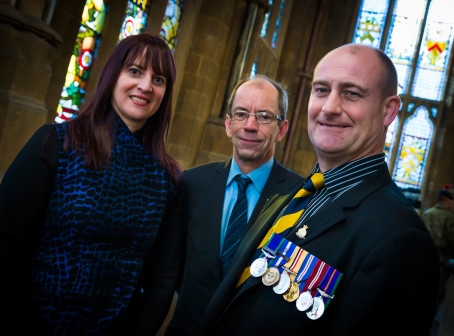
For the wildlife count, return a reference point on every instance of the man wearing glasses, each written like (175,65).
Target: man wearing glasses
(256,121)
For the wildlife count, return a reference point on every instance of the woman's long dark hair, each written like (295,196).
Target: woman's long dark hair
(92,132)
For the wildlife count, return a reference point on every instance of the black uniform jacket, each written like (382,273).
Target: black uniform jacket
(373,236)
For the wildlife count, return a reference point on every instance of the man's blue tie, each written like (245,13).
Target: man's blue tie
(237,223)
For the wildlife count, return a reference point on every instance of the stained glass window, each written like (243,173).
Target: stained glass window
(432,67)
(81,61)
(413,149)
(273,29)
(266,19)
(171,22)
(371,22)
(254,69)
(269,32)
(135,19)
(402,41)
(88,39)
(419,42)
(278,25)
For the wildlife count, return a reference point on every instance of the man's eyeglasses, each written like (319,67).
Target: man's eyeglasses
(261,117)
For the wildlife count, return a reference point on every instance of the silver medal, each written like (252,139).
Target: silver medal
(304,301)
(318,308)
(259,267)
(283,285)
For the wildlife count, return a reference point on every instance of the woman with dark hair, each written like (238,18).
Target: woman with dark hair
(89,232)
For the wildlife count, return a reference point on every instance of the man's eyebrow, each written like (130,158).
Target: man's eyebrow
(351,85)
(319,82)
(342,86)
(348,85)
(241,108)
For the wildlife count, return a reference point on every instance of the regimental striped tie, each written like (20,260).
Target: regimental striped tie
(292,213)
(237,223)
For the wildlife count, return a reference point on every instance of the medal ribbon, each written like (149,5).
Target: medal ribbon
(316,276)
(291,214)
(272,247)
(306,270)
(285,255)
(292,258)
(329,285)
(297,262)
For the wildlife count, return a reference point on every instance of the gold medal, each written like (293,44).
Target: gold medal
(292,293)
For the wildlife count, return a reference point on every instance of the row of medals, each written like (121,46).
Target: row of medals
(282,284)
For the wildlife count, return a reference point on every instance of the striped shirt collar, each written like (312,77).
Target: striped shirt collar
(340,179)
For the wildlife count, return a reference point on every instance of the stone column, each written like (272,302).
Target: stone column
(27,47)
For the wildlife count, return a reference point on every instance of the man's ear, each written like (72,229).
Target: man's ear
(283,128)
(227,124)
(392,106)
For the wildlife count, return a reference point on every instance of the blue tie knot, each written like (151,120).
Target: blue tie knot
(242,182)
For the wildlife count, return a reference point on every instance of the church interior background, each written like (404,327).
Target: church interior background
(52,52)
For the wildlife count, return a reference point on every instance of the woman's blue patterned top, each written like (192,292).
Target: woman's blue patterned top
(98,228)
